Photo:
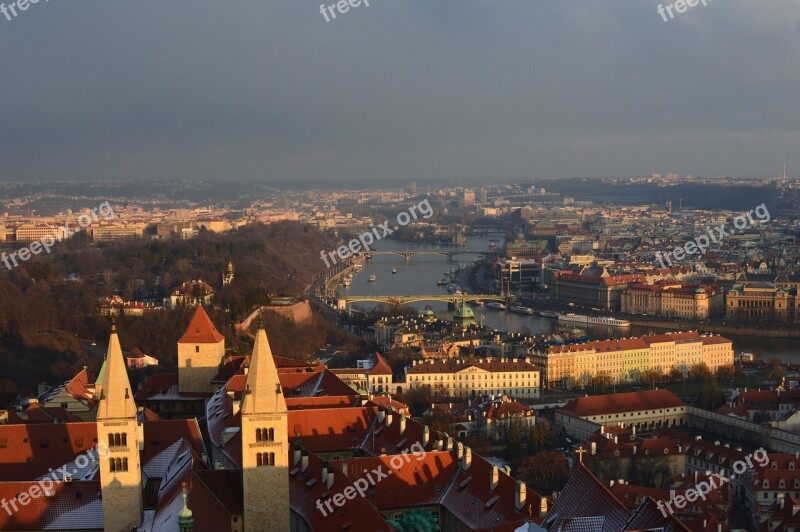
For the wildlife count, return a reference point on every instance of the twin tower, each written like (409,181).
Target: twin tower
(265,447)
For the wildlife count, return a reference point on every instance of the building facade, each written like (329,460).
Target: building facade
(470,378)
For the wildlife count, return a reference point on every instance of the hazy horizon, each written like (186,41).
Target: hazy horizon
(397,91)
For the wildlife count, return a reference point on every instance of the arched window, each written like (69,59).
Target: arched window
(124,439)
(259,460)
(124,464)
(271,435)
(258,434)
(112,465)
(271,459)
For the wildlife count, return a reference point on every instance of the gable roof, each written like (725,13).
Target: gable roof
(585,496)
(201,330)
(622,402)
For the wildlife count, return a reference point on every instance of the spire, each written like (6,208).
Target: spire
(264,393)
(117,397)
(185,518)
(201,330)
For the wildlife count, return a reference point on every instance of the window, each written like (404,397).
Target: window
(197,349)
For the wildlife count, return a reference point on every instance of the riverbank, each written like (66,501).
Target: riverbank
(777,332)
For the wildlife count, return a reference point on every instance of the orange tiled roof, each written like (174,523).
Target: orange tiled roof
(622,402)
(201,330)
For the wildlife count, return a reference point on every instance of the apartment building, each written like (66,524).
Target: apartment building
(623,360)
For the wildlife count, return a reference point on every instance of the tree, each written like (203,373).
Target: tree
(699,371)
(727,372)
(710,396)
(651,376)
(601,381)
(676,375)
(649,471)
(548,471)
(540,437)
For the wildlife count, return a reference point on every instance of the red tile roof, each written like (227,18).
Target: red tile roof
(419,481)
(470,499)
(622,402)
(201,330)
(380,367)
(28,451)
(306,488)
(330,429)
(73,506)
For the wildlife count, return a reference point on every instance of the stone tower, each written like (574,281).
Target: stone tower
(265,443)
(117,427)
(228,275)
(200,352)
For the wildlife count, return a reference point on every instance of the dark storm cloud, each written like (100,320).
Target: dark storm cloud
(417,89)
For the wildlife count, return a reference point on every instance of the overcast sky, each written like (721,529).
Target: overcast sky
(416,89)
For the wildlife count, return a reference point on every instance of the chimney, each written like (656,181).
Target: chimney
(389,420)
(381,416)
(520,496)
(616,439)
(329,480)
(467,461)
(459,450)
(325,473)
(594,448)
(426,435)
(402,423)
(602,429)
(610,483)
(495,478)
(298,453)
(634,449)
(303,460)
(543,507)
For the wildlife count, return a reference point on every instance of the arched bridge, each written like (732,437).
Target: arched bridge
(444,253)
(448,298)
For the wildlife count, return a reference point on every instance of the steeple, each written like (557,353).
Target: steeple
(263,393)
(117,397)
(119,430)
(265,443)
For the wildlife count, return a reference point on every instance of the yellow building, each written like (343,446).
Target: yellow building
(673,299)
(462,378)
(624,360)
(761,301)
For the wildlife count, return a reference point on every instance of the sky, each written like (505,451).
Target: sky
(267,90)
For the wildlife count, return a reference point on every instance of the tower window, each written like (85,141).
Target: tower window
(265,459)
(197,349)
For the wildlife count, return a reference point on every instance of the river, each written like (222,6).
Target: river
(418,276)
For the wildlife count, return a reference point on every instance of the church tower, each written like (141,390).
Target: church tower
(117,427)
(265,443)
(200,352)
(228,275)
